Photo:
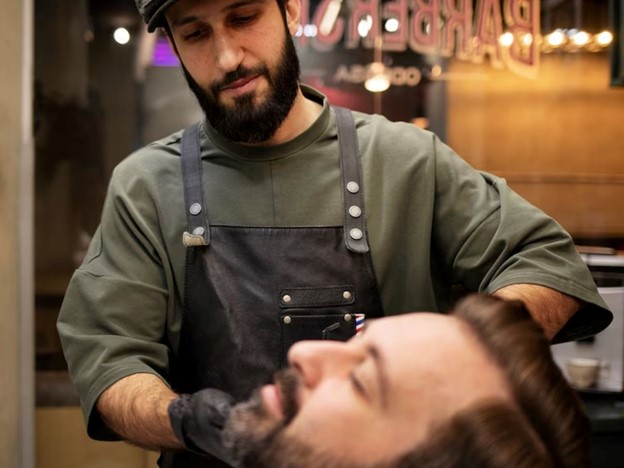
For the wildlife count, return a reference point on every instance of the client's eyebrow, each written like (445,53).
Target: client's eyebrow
(382,375)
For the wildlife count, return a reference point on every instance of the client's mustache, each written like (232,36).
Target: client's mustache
(289,382)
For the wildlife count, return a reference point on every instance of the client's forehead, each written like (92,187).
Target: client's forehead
(411,341)
(436,366)
(424,325)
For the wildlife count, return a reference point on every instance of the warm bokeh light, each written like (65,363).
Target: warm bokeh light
(330,16)
(365,25)
(556,38)
(581,38)
(309,30)
(506,39)
(436,71)
(121,36)
(527,39)
(392,25)
(604,38)
(378,80)
(377,83)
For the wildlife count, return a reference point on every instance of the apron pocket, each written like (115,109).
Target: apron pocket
(339,327)
(329,296)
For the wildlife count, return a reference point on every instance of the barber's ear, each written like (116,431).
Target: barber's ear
(293,15)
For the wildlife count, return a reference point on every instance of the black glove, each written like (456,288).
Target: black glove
(197,420)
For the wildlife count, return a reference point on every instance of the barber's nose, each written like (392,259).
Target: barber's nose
(319,360)
(228,53)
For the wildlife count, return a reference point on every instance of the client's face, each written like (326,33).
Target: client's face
(370,399)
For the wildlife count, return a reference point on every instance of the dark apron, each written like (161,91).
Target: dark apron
(252,292)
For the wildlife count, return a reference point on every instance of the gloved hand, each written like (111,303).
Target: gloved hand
(197,420)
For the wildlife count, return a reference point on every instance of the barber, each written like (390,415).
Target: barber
(277,219)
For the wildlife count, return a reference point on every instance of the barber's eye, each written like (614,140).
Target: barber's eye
(243,19)
(194,35)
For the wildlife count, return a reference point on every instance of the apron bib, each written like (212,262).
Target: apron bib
(252,292)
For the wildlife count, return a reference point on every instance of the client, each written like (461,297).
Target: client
(476,388)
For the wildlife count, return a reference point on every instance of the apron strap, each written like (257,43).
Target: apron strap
(196,215)
(355,235)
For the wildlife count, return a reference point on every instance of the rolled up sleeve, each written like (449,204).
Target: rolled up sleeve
(493,238)
(113,321)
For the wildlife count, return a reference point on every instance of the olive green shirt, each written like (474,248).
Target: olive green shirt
(433,222)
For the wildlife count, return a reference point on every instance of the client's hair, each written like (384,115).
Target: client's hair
(546,428)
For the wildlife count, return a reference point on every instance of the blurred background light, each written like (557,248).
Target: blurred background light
(121,36)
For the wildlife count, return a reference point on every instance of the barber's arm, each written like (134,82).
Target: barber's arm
(116,326)
(136,408)
(497,242)
(550,308)
(142,409)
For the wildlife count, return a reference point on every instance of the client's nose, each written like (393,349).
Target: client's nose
(318,360)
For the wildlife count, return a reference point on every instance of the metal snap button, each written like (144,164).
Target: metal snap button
(286,298)
(355,211)
(356,234)
(195,209)
(287,320)
(346,295)
(353,187)
(347,317)
(199,231)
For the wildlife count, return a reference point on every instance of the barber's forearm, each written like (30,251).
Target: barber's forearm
(550,308)
(135,407)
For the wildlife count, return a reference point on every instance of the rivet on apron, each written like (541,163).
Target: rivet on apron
(199,231)
(287,320)
(356,234)
(355,211)
(353,187)
(347,317)
(346,295)
(195,209)
(286,298)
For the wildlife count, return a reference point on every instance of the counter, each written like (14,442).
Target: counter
(606,415)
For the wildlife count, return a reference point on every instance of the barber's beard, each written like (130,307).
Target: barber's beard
(249,121)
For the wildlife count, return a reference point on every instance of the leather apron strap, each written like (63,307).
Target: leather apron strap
(196,215)
(356,238)
(355,235)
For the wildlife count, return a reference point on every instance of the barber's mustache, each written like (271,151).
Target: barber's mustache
(240,73)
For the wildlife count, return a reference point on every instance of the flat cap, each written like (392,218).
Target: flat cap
(153,12)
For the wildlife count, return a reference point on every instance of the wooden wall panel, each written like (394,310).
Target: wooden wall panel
(62,442)
(558,138)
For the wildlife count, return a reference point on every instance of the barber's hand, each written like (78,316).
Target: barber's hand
(197,420)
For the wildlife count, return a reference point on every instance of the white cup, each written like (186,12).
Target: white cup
(583,372)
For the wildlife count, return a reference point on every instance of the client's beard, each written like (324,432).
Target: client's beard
(246,121)
(257,440)
(252,433)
